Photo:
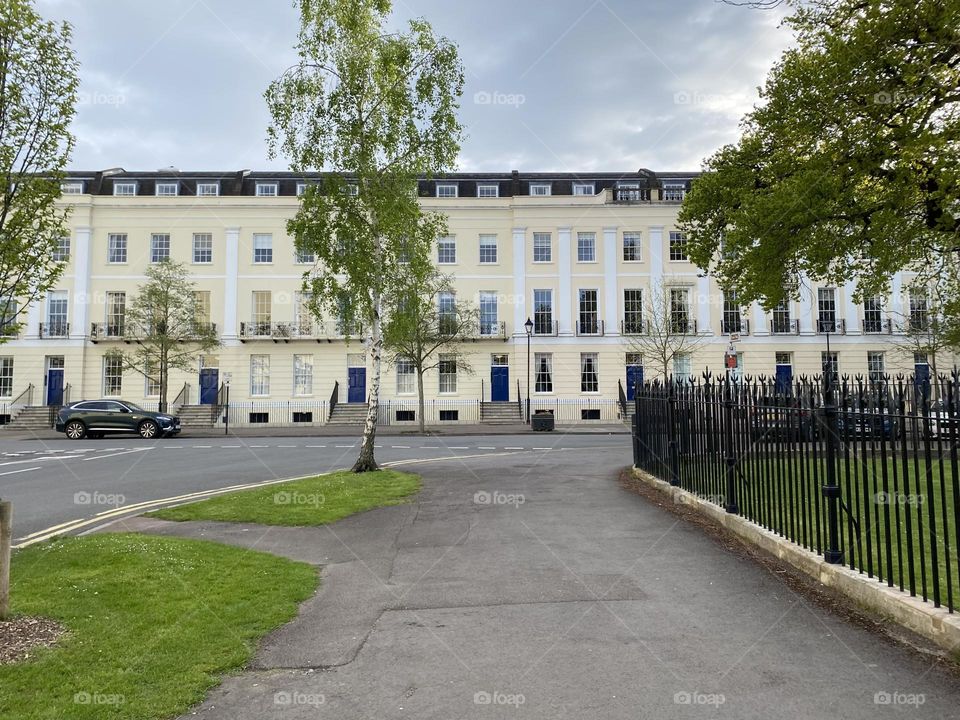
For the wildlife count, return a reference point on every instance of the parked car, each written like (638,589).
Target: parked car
(944,421)
(783,419)
(868,423)
(96,418)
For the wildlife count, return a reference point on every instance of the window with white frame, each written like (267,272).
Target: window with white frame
(489,324)
(124,189)
(488,249)
(201,305)
(873,314)
(304,256)
(674,191)
(202,248)
(583,189)
(304,316)
(586,247)
(151,385)
(62,252)
(678,245)
(8,317)
(876,366)
(731,321)
(826,310)
(447,250)
(406,377)
(116,313)
(208,189)
(262,248)
(353,190)
(72,187)
(448,373)
(919,312)
(679,310)
(112,376)
(542,247)
(6,376)
(57,314)
(830,364)
(589,320)
(301,188)
(446,190)
(167,189)
(540,189)
(447,312)
(543,312)
(782,322)
(632,311)
(631,247)
(302,375)
(488,190)
(267,189)
(589,380)
(681,367)
(543,369)
(117,248)
(159,247)
(262,309)
(259,375)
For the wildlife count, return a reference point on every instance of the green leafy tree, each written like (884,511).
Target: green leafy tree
(428,326)
(38,90)
(848,168)
(167,327)
(375,109)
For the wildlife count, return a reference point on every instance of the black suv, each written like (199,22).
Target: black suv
(96,418)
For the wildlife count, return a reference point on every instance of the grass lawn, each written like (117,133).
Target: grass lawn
(312,501)
(152,622)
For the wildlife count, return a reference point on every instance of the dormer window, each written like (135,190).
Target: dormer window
(353,190)
(301,188)
(73,187)
(540,189)
(446,190)
(488,190)
(583,189)
(674,191)
(124,189)
(208,189)
(267,189)
(167,189)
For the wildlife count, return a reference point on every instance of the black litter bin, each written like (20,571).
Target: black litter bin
(542,420)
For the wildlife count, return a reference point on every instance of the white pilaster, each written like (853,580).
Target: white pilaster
(656,255)
(81,283)
(230,303)
(520,279)
(703,305)
(565,301)
(850,309)
(610,304)
(759,322)
(807,305)
(33,320)
(896,302)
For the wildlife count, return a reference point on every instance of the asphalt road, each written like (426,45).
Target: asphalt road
(63,486)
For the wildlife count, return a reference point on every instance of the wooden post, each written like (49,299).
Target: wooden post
(6,532)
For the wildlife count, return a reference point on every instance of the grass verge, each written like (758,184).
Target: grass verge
(312,501)
(152,623)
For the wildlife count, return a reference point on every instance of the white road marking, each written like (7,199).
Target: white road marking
(286,446)
(316,446)
(343,446)
(258,446)
(117,454)
(203,447)
(457,447)
(400,447)
(429,447)
(513,448)
(14,472)
(543,448)
(485,447)
(231,446)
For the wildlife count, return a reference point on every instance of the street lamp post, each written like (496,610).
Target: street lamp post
(528,326)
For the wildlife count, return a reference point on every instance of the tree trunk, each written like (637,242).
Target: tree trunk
(163,385)
(421,400)
(366,462)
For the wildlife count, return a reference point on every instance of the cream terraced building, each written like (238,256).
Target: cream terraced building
(575,253)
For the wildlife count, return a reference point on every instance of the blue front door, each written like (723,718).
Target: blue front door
(55,386)
(499,383)
(209,383)
(784,379)
(634,378)
(356,385)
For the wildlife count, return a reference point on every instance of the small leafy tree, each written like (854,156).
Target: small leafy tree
(428,325)
(165,324)
(926,329)
(38,88)
(376,110)
(666,331)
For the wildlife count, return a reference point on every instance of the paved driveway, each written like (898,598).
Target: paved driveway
(532,586)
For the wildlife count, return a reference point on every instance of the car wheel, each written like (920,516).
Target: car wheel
(75,430)
(148,429)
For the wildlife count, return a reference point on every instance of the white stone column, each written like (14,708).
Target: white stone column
(520,280)
(759,322)
(656,255)
(32,329)
(850,309)
(230,304)
(610,304)
(807,309)
(79,328)
(703,305)
(565,279)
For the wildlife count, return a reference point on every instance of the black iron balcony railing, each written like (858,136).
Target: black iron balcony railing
(302,330)
(735,326)
(877,326)
(493,329)
(784,326)
(590,327)
(10,330)
(55,329)
(834,326)
(546,327)
(632,326)
(683,326)
(107,330)
(672,194)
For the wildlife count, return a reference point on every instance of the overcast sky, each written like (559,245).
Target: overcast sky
(551,85)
